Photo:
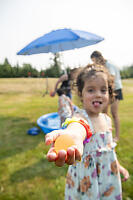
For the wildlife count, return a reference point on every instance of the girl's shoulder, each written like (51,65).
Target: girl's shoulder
(108,120)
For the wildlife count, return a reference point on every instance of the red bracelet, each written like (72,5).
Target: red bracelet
(88,131)
(86,126)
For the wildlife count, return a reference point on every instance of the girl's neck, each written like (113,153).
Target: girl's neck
(93,115)
(98,122)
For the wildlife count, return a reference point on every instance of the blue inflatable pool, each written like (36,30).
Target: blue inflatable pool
(49,122)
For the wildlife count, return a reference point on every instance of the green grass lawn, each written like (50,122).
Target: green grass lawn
(25,174)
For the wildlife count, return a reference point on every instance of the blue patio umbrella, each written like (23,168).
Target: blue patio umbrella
(60,40)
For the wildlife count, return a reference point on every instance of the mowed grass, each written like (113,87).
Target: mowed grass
(25,174)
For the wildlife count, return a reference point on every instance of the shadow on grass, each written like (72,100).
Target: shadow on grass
(14,138)
(43,168)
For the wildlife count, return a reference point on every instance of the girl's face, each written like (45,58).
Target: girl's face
(95,95)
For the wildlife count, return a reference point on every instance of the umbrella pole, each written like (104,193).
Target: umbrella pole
(47,85)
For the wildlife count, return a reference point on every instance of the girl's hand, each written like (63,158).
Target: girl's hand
(116,139)
(124,172)
(72,154)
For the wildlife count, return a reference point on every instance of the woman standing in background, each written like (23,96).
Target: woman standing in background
(98,58)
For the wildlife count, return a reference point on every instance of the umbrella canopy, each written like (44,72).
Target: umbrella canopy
(60,40)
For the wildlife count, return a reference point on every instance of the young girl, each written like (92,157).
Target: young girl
(96,176)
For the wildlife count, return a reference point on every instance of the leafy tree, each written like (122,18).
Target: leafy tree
(6,69)
(55,68)
(127,72)
(16,71)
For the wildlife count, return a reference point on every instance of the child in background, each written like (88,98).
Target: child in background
(66,81)
(65,106)
(96,176)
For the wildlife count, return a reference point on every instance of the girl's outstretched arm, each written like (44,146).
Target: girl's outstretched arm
(73,153)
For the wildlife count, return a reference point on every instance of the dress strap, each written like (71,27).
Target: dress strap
(108,120)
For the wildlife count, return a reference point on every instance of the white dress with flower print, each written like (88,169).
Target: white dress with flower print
(96,177)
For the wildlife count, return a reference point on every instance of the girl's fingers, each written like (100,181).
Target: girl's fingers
(116,139)
(126,176)
(51,155)
(70,156)
(51,137)
(124,172)
(63,157)
(77,155)
(60,161)
(73,153)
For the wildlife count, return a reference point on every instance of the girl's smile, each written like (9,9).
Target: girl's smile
(96,103)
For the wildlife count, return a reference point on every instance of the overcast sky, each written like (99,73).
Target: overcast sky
(22,21)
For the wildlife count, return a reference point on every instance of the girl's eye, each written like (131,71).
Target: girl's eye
(90,90)
(104,90)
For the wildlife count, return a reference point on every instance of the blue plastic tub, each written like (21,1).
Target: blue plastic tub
(49,122)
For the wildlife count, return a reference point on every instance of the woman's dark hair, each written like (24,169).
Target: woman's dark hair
(96,54)
(90,71)
(99,58)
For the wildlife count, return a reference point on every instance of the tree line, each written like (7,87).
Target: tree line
(127,72)
(55,70)
(26,70)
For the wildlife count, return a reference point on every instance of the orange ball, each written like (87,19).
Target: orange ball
(63,142)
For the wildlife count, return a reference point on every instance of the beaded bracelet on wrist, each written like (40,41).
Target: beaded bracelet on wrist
(82,122)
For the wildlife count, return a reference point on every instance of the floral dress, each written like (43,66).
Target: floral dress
(96,177)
